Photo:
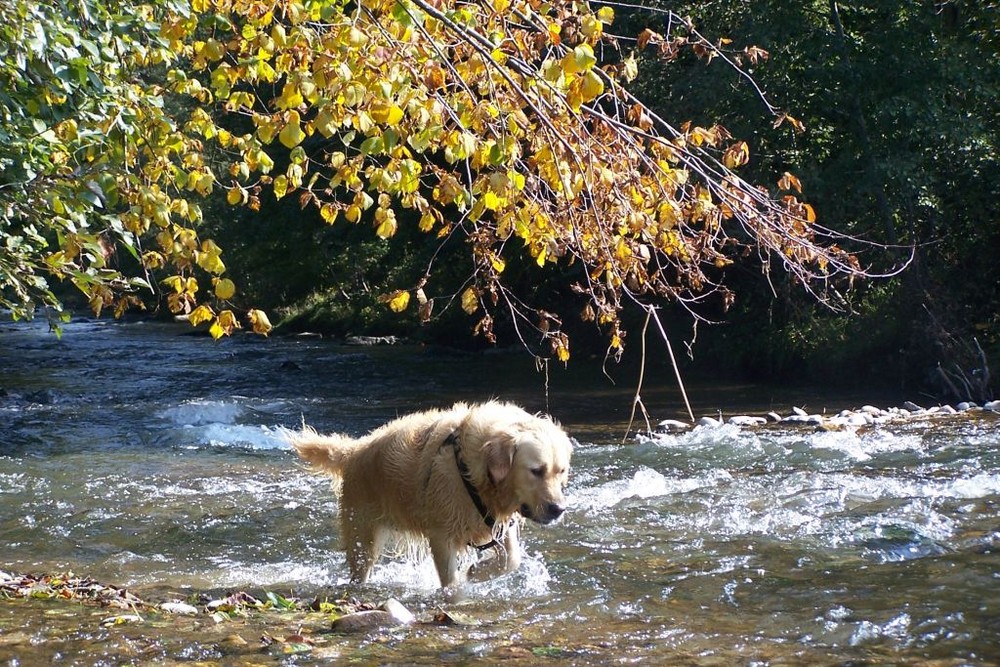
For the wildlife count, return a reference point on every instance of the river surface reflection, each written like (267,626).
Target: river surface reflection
(143,457)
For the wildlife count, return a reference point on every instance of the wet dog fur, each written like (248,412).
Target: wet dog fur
(407,477)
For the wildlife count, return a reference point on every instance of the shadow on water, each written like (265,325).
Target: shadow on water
(153,460)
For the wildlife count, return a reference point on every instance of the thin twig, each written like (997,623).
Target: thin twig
(673,361)
(637,399)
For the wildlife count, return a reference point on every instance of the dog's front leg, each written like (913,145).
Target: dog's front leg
(445,560)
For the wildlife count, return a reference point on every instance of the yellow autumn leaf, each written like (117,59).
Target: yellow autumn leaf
(580,59)
(325,123)
(329,213)
(554,30)
(810,213)
(398,301)
(591,86)
(290,97)
(789,181)
(389,114)
(491,201)
(224,324)
(259,322)
(280,186)
(385,220)
(591,27)
(387,228)
(224,288)
(209,259)
(560,346)
(470,300)
(176,283)
(573,97)
(200,315)
(292,135)
(216,330)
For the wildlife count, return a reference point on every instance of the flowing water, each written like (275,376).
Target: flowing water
(145,458)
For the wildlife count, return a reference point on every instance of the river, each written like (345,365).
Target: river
(144,457)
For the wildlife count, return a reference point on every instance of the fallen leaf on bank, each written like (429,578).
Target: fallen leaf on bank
(453,618)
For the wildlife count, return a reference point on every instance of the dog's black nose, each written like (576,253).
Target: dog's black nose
(554,511)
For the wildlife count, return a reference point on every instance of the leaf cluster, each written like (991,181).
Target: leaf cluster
(506,123)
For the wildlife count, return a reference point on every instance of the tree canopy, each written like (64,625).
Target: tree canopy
(508,123)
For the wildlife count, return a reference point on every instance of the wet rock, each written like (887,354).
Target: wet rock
(992,406)
(362,621)
(799,412)
(708,421)
(965,405)
(803,418)
(674,425)
(746,420)
(181,608)
(372,340)
(774,416)
(398,612)
(392,614)
(910,406)
(848,419)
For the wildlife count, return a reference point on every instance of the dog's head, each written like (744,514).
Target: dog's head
(530,460)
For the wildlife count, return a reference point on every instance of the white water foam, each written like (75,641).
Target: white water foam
(202,412)
(254,437)
(864,447)
(645,483)
(216,424)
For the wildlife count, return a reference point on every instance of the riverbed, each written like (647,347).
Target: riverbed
(145,457)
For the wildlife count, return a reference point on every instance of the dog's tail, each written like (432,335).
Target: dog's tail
(328,453)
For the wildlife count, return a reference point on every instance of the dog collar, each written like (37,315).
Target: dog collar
(463,471)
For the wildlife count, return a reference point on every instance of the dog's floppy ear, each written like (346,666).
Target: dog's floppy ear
(499,456)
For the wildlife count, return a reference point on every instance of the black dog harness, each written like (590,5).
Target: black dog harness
(470,488)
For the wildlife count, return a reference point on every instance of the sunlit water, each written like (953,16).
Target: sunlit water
(142,457)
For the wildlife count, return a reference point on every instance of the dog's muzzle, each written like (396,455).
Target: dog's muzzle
(546,513)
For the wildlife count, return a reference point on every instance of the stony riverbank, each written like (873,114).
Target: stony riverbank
(867,415)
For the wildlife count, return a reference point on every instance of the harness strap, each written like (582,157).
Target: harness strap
(470,488)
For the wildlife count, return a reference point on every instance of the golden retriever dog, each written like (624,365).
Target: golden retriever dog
(462,478)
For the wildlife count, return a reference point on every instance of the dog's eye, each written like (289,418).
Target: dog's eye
(539,471)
